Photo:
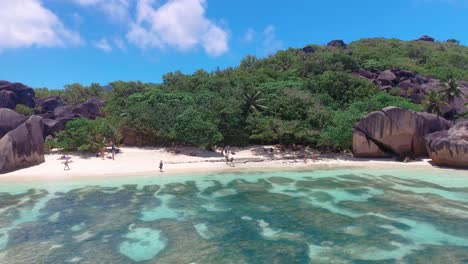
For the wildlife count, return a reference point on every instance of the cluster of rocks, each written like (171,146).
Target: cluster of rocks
(407,134)
(12,94)
(56,114)
(22,138)
(415,87)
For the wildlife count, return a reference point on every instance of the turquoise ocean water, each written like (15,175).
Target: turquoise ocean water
(321,216)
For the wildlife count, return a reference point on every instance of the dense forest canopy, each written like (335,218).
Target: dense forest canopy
(303,96)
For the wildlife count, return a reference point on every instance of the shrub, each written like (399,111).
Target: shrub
(24,110)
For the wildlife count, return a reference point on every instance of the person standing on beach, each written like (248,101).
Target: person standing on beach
(161,166)
(113,150)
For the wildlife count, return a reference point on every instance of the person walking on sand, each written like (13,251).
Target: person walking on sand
(65,163)
(161,166)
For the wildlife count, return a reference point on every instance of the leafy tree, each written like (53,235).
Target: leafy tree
(253,101)
(197,128)
(451,91)
(86,135)
(434,102)
(342,87)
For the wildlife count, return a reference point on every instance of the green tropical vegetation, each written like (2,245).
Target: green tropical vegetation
(24,110)
(291,97)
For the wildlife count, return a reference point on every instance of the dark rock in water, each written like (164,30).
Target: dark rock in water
(23,146)
(9,120)
(449,147)
(308,49)
(89,109)
(337,43)
(51,127)
(24,94)
(48,104)
(426,38)
(8,99)
(395,131)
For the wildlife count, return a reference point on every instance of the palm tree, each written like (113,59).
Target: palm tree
(452,90)
(253,101)
(434,102)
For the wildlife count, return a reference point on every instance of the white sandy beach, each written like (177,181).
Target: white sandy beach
(145,161)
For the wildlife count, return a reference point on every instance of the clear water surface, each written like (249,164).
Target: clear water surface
(322,216)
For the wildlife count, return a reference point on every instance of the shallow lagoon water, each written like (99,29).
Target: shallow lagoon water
(321,216)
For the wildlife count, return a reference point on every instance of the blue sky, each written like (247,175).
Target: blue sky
(50,43)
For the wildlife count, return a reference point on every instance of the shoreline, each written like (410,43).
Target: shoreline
(145,161)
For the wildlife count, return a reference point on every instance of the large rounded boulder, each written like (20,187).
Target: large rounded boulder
(9,120)
(395,132)
(51,127)
(64,113)
(23,146)
(48,104)
(89,109)
(449,147)
(23,94)
(8,99)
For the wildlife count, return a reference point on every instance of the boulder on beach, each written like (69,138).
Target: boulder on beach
(449,147)
(395,132)
(9,120)
(23,146)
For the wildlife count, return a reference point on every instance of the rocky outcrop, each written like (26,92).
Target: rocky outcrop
(415,87)
(63,114)
(23,146)
(426,38)
(9,120)
(8,99)
(395,132)
(12,94)
(89,109)
(449,147)
(48,104)
(337,43)
(51,127)
(308,49)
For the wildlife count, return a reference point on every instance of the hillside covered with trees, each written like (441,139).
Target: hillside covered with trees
(311,96)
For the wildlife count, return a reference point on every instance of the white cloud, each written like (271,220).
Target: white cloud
(271,43)
(181,24)
(116,10)
(26,23)
(103,45)
(120,43)
(249,35)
